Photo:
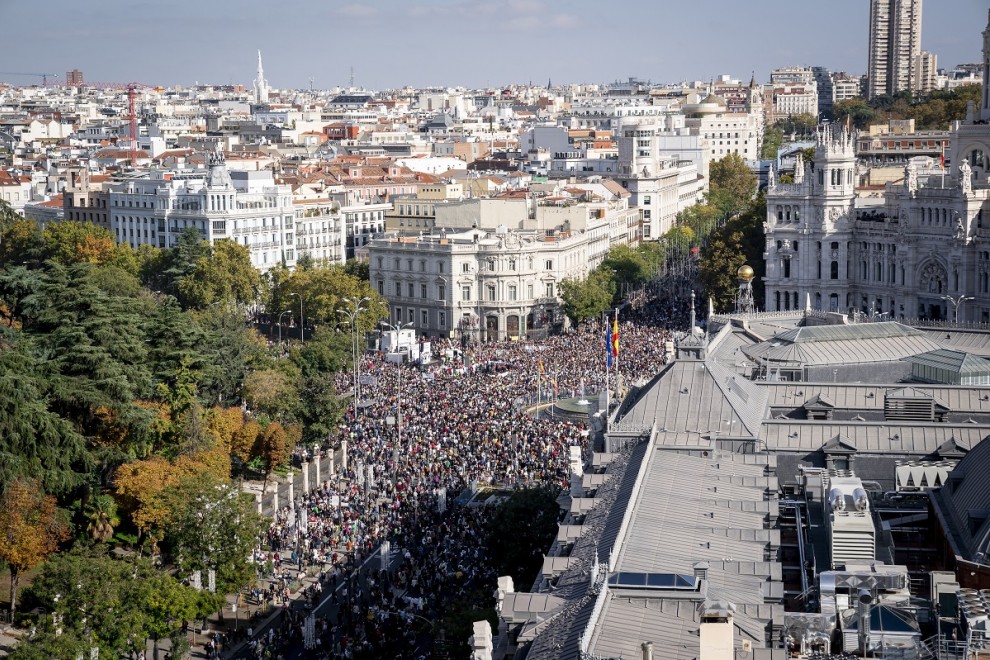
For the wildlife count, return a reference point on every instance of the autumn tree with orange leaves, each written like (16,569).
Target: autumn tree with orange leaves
(31,528)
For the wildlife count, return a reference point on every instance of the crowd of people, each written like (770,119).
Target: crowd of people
(422,436)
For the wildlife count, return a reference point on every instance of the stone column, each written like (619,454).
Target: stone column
(316,465)
(343,455)
(292,496)
(305,471)
(258,501)
(275,501)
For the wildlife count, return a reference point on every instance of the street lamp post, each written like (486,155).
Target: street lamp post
(288,311)
(352,318)
(398,390)
(302,320)
(956,304)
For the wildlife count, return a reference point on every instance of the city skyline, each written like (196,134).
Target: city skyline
(391,44)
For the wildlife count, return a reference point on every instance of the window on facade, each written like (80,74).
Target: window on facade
(529,291)
(398,264)
(409,289)
(424,317)
(491,292)
(441,292)
(549,264)
(381,287)
(647,199)
(411,315)
(442,319)
(465,268)
(549,289)
(409,265)
(440,267)
(512,293)
(466,292)
(512,264)
(833,270)
(422,291)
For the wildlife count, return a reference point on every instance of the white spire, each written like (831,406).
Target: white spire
(260,85)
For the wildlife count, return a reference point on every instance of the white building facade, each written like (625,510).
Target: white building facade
(246,207)
(920,251)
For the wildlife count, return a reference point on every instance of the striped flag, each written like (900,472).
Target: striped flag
(615,335)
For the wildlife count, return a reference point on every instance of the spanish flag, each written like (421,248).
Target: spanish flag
(615,335)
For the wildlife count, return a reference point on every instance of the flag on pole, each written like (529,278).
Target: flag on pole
(608,345)
(943,155)
(615,335)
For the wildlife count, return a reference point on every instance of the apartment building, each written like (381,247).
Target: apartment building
(894,46)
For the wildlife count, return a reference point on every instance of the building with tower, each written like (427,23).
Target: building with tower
(895,46)
(74,78)
(918,251)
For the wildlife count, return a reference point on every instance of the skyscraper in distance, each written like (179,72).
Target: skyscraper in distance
(895,46)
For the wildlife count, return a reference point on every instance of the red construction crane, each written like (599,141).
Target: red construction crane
(131,115)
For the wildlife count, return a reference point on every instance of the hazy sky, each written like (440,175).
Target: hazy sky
(391,43)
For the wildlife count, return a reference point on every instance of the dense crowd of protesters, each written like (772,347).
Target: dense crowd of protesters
(423,435)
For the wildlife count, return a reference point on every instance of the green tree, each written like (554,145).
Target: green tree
(328,351)
(274,393)
(587,299)
(21,242)
(112,604)
(17,283)
(230,349)
(71,242)
(323,290)
(223,275)
(213,526)
(773,137)
(164,271)
(93,349)
(529,518)
(358,268)
(34,440)
(731,183)
(627,264)
(322,409)
(101,517)
(740,241)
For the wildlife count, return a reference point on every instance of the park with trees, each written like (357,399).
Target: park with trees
(135,391)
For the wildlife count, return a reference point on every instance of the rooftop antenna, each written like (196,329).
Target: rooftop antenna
(352,77)
(311,84)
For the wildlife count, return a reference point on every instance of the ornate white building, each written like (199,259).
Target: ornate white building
(920,251)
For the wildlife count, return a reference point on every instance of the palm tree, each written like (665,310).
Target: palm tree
(101,516)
